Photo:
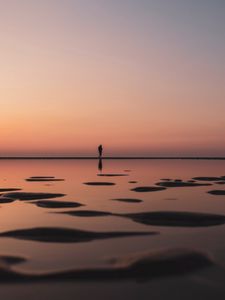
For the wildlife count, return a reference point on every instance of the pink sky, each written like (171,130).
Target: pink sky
(143,78)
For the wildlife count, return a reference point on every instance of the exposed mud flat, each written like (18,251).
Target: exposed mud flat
(66,235)
(31,196)
(128,200)
(180,183)
(56,204)
(176,218)
(217,192)
(87,213)
(146,189)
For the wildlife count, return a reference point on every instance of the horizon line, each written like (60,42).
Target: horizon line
(115,157)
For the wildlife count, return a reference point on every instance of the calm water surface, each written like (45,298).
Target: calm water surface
(54,256)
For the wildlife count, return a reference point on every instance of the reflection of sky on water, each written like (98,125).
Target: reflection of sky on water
(22,214)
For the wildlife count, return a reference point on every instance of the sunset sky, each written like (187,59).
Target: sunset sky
(142,77)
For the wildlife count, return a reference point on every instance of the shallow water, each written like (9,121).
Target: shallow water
(42,256)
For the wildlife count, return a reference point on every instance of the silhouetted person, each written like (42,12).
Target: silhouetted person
(100,149)
(100,166)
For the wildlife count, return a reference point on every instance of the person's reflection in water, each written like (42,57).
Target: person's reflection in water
(100,165)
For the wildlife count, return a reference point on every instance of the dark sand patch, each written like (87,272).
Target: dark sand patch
(112,175)
(127,170)
(31,196)
(166,179)
(176,218)
(99,183)
(207,178)
(181,184)
(220,182)
(87,213)
(2,190)
(56,204)
(12,260)
(170,199)
(143,189)
(66,235)
(217,192)
(129,200)
(43,179)
(6,200)
(132,181)
(138,267)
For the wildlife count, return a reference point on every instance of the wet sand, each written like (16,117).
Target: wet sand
(84,233)
(143,266)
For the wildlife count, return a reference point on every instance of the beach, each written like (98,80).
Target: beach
(136,229)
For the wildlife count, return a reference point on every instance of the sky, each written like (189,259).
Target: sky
(141,77)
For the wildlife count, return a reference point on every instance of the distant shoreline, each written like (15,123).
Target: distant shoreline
(109,158)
